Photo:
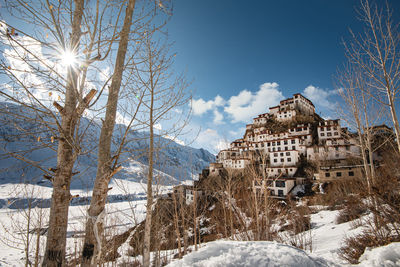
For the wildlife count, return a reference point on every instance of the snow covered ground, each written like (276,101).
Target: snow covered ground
(248,253)
(122,212)
(326,235)
(126,207)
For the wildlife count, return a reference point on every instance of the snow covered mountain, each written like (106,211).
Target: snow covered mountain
(28,149)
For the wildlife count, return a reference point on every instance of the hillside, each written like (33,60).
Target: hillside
(24,136)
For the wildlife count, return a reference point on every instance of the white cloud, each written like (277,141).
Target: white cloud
(200,106)
(238,133)
(158,126)
(211,140)
(320,97)
(218,117)
(246,104)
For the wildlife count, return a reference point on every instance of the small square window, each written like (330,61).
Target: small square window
(322,134)
(351,173)
(327,174)
(275,160)
(338,174)
(282,160)
(287,153)
(293,141)
(289,159)
(281,154)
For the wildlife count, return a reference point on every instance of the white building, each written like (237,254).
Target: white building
(274,172)
(329,129)
(284,158)
(281,187)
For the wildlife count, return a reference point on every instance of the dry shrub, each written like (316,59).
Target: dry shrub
(355,246)
(354,208)
(384,204)
(336,193)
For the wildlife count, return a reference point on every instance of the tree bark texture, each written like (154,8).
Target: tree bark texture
(58,223)
(147,226)
(92,249)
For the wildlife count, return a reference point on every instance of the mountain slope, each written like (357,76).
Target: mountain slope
(28,148)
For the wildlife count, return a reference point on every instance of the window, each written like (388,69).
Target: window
(273,143)
(338,174)
(289,159)
(337,148)
(335,133)
(275,154)
(293,141)
(293,147)
(278,143)
(286,148)
(280,193)
(347,148)
(327,174)
(285,142)
(268,144)
(275,160)
(328,134)
(279,183)
(351,173)
(281,154)
(282,160)
(328,129)
(279,148)
(337,155)
(287,153)
(262,144)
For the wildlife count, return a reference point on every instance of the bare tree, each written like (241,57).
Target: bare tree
(105,169)
(376,54)
(27,219)
(364,113)
(82,34)
(163,92)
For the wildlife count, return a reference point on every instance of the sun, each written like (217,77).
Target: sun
(68,58)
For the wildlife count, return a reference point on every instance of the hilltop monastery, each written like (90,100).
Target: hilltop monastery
(287,138)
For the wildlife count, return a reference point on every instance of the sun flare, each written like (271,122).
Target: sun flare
(68,58)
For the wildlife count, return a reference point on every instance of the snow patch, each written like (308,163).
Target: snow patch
(250,253)
(388,255)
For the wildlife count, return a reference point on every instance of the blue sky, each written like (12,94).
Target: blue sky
(245,56)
